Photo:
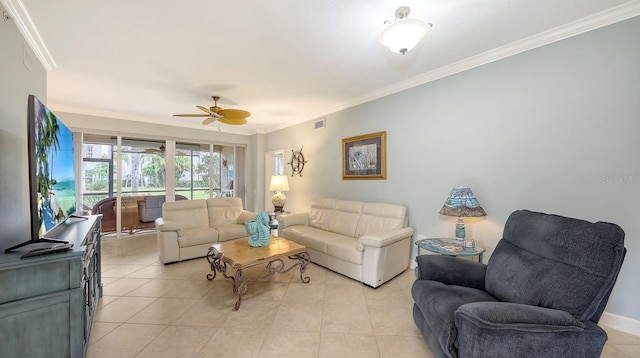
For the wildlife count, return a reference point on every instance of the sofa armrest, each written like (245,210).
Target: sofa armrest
(384,238)
(451,271)
(246,216)
(165,225)
(287,220)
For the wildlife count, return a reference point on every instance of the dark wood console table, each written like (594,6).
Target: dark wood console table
(47,303)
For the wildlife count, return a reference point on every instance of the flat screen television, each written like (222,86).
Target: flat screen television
(52,183)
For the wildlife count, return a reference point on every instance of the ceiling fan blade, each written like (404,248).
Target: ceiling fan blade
(233,121)
(191,115)
(209,120)
(234,113)
(212,113)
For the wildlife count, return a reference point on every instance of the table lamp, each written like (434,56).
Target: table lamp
(462,203)
(279,183)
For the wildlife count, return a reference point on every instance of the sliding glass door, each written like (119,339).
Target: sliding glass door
(205,171)
(200,171)
(194,170)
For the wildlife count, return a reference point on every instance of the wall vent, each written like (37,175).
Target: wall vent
(321,123)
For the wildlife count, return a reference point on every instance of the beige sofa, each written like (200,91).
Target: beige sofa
(369,242)
(187,228)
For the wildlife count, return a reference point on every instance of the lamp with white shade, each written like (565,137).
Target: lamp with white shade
(279,183)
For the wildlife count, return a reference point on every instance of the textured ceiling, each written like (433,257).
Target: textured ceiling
(285,61)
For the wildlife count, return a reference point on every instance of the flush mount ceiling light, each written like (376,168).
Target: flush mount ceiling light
(403,33)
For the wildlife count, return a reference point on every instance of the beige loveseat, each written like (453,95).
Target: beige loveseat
(369,242)
(187,228)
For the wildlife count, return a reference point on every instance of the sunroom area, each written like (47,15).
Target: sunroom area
(126,179)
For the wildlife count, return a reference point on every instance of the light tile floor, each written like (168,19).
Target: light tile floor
(152,310)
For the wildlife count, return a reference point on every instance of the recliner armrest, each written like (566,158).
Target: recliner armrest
(504,330)
(286,220)
(451,271)
(384,238)
(516,316)
(163,225)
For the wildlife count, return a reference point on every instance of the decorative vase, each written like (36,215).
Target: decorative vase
(259,230)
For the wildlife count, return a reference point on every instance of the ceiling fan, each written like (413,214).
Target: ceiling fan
(215,113)
(161,151)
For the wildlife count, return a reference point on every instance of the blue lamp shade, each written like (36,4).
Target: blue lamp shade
(462,203)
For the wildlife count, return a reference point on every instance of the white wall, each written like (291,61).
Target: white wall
(255,173)
(555,129)
(16,83)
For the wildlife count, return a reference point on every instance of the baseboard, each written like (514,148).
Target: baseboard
(621,323)
(614,321)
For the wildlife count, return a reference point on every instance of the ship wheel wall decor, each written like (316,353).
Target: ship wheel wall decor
(297,162)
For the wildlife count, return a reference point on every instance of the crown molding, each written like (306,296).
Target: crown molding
(586,24)
(18,13)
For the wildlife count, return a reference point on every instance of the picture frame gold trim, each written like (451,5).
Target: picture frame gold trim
(365,156)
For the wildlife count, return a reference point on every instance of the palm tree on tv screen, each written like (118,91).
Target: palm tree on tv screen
(47,144)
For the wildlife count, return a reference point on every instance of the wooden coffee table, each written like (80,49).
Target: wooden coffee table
(239,255)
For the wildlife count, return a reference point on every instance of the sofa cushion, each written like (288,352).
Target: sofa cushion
(231,231)
(189,213)
(345,217)
(297,232)
(224,211)
(376,217)
(311,237)
(198,236)
(345,249)
(321,212)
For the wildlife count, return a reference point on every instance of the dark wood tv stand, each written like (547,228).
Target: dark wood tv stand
(48,303)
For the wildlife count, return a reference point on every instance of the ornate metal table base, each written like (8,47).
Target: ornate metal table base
(275,266)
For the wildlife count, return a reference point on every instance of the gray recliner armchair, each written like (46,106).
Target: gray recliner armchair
(540,295)
(150,208)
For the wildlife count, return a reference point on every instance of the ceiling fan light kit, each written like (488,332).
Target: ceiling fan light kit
(403,33)
(227,116)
